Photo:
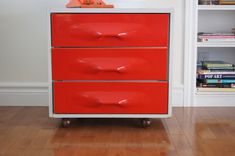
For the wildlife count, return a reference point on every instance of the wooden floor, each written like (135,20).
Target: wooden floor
(28,131)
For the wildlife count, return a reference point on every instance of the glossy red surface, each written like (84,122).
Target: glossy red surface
(109,29)
(109,64)
(110,98)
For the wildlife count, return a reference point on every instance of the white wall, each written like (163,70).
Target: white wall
(23,43)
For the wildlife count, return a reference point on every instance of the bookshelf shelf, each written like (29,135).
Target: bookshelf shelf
(219,44)
(216,7)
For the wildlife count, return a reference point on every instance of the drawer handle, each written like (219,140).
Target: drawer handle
(120,103)
(118,69)
(95,66)
(104,98)
(118,36)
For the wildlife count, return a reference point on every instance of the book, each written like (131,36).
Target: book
(216,34)
(215,85)
(220,68)
(226,2)
(216,76)
(216,89)
(216,37)
(219,81)
(202,71)
(216,64)
(216,40)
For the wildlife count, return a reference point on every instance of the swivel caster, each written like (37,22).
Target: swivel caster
(145,123)
(65,122)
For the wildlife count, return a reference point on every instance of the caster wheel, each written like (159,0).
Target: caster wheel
(145,123)
(65,122)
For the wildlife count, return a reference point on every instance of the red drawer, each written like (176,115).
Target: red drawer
(109,29)
(109,64)
(110,98)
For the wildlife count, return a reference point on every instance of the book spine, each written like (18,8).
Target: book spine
(219,81)
(217,65)
(210,85)
(219,68)
(216,89)
(216,76)
(214,72)
(217,40)
(215,85)
(216,37)
(215,34)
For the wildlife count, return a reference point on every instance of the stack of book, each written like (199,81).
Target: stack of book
(216,76)
(216,37)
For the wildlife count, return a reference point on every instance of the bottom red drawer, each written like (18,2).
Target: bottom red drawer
(110,97)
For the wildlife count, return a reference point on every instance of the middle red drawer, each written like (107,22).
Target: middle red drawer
(109,63)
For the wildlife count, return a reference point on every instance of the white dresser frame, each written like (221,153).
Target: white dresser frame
(113,10)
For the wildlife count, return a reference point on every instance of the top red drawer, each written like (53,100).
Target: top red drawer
(74,30)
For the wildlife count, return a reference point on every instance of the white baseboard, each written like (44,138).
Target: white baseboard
(178,95)
(36,94)
(214,100)
(24,94)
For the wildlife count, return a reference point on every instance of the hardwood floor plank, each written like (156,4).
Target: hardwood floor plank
(189,132)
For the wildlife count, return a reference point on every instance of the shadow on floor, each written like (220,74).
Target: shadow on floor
(111,137)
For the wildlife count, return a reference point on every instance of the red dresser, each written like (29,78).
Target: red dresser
(110,64)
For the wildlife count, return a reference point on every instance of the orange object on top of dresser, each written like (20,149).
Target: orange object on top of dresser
(88,4)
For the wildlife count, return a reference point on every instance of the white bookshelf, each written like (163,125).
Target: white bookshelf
(215,18)
(207,18)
